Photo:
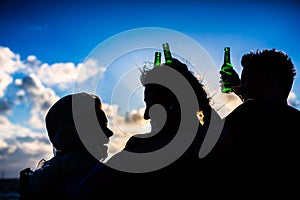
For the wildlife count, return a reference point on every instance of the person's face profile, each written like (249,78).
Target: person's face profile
(160,109)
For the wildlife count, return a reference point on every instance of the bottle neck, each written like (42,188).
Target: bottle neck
(167,53)
(226,55)
(157,59)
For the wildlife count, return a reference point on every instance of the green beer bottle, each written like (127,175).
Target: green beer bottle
(167,53)
(157,59)
(227,67)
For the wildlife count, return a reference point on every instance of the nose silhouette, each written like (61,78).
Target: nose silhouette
(108,132)
(146,113)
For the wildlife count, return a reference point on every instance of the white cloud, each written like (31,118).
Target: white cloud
(37,147)
(124,126)
(3,147)
(18,82)
(31,58)
(65,75)
(4,122)
(9,63)
(20,147)
(137,116)
(293,100)
(5,80)
(90,68)
(62,75)
(40,98)
(24,143)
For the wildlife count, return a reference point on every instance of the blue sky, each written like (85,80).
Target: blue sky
(43,44)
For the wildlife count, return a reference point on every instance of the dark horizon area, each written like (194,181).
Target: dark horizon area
(9,188)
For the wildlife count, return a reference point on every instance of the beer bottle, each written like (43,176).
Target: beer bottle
(157,58)
(227,68)
(167,53)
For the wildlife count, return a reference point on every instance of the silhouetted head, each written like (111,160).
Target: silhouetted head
(163,95)
(63,129)
(267,75)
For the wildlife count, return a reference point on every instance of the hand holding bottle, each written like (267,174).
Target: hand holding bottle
(229,78)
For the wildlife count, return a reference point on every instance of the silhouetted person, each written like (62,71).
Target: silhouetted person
(70,120)
(176,115)
(264,128)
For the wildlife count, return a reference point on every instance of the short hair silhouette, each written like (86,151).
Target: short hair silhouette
(272,65)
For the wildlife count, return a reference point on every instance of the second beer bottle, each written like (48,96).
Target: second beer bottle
(167,53)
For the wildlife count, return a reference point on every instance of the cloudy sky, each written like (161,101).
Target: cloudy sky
(44,44)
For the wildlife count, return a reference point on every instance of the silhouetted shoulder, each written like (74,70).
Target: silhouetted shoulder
(266,144)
